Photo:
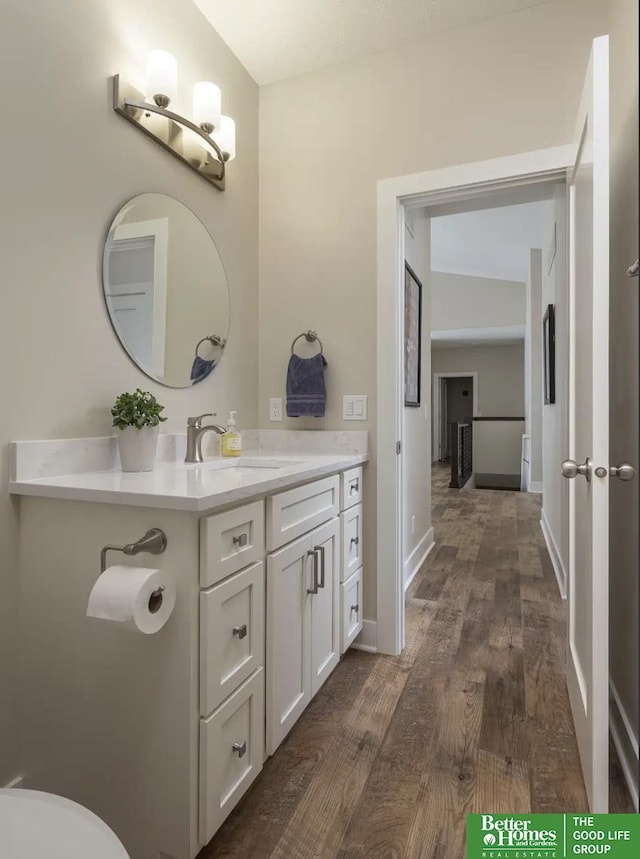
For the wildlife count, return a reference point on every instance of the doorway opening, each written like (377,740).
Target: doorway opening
(500,182)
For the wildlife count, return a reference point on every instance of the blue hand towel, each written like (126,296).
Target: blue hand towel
(306,394)
(200,369)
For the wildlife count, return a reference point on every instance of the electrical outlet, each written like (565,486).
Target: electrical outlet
(275,409)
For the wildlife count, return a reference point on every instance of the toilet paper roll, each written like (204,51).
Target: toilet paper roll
(140,598)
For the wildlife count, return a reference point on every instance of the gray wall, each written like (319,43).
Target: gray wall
(555,417)
(533,391)
(500,375)
(496,446)
(507,85)
(69,162)
(624,356)
(462,301)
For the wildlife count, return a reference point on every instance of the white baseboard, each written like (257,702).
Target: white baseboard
(368,638)
(625,741)
(535,486)
(16,782)
(554,554)
(417,558)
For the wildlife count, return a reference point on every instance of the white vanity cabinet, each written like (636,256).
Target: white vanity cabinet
(177,724)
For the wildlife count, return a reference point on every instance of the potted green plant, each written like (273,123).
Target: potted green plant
(137,418)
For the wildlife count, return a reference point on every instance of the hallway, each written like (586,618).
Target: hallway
(473,716)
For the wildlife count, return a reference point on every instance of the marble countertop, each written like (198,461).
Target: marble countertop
(175,485)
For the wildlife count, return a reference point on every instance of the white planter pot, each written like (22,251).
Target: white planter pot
(137,448)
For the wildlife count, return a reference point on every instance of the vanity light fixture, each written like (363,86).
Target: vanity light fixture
(205,143)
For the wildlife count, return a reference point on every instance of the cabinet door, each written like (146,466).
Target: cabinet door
(325,605)
(289,578)
(231,753)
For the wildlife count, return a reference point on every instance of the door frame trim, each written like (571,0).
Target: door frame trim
(448,184)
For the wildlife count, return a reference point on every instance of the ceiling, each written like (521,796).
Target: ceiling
(491,243)
(505,335)
(276,39)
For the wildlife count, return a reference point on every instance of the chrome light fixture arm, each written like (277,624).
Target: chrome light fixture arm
(130,104)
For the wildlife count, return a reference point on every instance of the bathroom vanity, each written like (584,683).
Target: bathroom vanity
(161,735)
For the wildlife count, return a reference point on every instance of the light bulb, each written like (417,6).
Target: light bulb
(207,105)
(162,77)
(225,137)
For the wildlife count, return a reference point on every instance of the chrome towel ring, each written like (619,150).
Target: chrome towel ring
(310,337)
(214,340)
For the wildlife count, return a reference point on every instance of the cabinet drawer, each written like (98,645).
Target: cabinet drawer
(231,753)
(351,593)
(231,635)
(230,541)
(292,513)
(351,528)
(350,487)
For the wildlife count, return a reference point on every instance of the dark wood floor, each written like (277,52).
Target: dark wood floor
(473,716)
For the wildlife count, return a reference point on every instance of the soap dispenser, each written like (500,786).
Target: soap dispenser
(231,440)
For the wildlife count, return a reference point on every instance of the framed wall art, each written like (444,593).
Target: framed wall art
(549,354)
(412,336)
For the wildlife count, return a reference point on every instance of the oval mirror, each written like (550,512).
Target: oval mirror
(166,290)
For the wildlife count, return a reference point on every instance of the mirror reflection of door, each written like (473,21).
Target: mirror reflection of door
(137,267)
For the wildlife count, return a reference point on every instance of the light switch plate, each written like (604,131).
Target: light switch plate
(354,407)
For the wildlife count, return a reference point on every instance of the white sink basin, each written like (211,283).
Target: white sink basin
(246,462)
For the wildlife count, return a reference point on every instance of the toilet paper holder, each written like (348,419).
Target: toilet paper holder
(154,542)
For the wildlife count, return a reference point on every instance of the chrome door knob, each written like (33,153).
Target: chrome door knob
(570,469)
(624,471)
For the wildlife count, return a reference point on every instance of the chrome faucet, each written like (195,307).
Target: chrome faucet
(195,433)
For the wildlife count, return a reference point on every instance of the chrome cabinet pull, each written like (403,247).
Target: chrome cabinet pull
(354,487)
(355,541)
(314,589)
(240,541)
(355,608)
(322,563)
(240,748)
(240,631)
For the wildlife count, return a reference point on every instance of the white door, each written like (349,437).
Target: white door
(588,631)
(289,579)
(325,604)
(130,296)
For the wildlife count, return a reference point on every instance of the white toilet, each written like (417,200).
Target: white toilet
(34,824)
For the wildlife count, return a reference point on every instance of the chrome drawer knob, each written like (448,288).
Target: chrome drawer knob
(355,608)
(355,541)
(240,631)
(240,541)
(240,749)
